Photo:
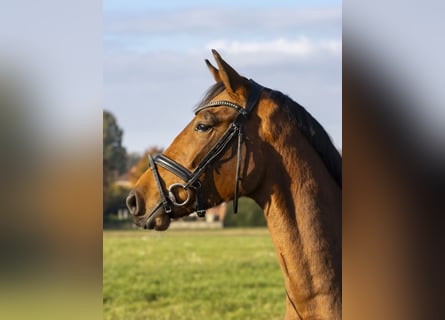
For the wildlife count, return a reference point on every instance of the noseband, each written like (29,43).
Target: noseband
(191,179)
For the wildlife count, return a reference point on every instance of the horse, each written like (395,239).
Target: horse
(249,140)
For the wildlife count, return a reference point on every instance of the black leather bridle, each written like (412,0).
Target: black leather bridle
(191,179)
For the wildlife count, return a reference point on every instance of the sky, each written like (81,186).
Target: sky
(154,70)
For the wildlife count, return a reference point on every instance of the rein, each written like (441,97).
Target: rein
(191,179)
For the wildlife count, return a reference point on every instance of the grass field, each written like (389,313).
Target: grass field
(218,274)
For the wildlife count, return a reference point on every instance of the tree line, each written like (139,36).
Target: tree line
(121,169)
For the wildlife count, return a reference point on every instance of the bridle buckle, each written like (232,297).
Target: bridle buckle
(172,196)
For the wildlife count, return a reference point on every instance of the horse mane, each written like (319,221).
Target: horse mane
(314,133)
(212,92)
(309,127)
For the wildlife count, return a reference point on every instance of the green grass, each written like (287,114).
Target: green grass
(220,274)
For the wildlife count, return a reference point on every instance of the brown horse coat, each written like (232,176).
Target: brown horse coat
(289,167)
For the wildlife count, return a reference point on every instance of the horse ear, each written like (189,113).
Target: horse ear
(213,71)
(231,79)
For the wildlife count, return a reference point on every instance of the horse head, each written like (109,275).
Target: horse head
(211,160)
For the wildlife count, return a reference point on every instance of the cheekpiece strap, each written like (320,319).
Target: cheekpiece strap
(192,178)
(164,200)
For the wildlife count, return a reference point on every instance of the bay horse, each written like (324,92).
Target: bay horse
(248,140)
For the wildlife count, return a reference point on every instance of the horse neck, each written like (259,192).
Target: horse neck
(302,205)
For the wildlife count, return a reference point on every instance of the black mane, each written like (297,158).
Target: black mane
(212,92)
(314,133)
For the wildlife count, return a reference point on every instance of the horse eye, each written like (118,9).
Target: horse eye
(202,127)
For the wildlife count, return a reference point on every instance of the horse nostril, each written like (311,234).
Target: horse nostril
(132,203)
(135,204)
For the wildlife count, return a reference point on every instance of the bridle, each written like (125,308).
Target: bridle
(191,179)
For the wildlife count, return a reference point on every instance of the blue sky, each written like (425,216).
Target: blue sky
(140,5)
(154,71)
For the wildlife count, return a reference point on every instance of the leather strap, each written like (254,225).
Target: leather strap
(254,96)
(238,166)
(173,167)
(191,179)
(216,150)
(164,200)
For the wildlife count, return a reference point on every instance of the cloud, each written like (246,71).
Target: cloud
(302,46)
(185,29)
(150,90)
(206,20)
(155,73)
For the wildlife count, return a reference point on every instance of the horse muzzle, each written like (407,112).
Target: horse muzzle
(156,219)
(135,203)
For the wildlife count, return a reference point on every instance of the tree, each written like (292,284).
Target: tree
(114,155)
(132,159)
(141,166)
(249,215)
